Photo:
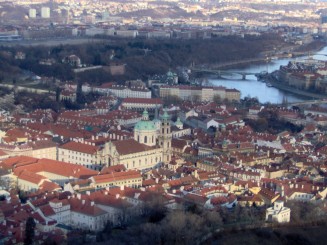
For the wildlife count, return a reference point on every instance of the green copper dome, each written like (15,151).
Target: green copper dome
(145,124)
(165,116)
(178,122)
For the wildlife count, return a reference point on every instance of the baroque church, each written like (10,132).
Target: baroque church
(150,147)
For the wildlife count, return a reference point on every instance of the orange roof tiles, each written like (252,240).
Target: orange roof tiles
(29,176)
(80,147)
(125,147)
(116,176)
(51,166)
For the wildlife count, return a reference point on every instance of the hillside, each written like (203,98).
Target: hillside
(268,236)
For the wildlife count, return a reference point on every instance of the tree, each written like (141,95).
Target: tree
(213,220)
(217,99)
(22,196)
(195,98)
(155,209)
(183,228)
(58,91)
(172,100)
(7,183)
(29,231)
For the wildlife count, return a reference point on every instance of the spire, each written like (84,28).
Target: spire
(165,116)
(145,115)
(156,113)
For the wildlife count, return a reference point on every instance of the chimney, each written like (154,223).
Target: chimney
(117,196)
(83,201)
(106,193)
(78,196)
(122,187)
(92,203)
(88,193)
(157,180)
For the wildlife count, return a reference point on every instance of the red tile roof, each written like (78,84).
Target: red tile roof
(51,166)
(80,147)
(130,146)
(116,176)
(157,101)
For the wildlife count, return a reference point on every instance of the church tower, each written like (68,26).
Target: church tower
(165,137)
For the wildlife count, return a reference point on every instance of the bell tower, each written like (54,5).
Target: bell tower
(165,137)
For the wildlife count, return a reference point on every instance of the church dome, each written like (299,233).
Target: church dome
(145,124)
(178,122)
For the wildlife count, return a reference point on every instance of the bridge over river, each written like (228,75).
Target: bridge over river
(220,69)
(220,72)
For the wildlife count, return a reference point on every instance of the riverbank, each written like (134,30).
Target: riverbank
(277,84)
(264,57)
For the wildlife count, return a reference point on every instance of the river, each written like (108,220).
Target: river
(254,88)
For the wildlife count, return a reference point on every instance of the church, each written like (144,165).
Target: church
(150,147)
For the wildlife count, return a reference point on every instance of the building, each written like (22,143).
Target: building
(32,13)
(87,155)
(117,69)
(122,91)
(45,12)
(278,213)
(148,148)
(127,33)
(129,178)
(38,149)
(139,104)
(36,170)
(145,131)
(199,93)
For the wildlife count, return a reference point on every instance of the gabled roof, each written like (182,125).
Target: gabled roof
(55,167)
(116,176)
(80,147)
(130,146)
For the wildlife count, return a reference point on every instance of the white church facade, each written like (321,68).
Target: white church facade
(149,147)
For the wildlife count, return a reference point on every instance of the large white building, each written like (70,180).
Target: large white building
(45,12)
(148,148)
(84,154)
(32,13)
(120,91)
(278,213)
(186,92)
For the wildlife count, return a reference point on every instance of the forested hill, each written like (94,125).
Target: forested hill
(142,57)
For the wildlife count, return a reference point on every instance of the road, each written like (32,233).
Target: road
(53,42)
(32,90)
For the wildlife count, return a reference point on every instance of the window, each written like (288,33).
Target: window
(145,139)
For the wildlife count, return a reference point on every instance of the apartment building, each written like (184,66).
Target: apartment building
(186,92)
